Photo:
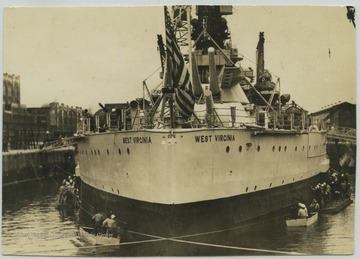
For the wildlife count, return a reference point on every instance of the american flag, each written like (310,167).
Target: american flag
(180,77)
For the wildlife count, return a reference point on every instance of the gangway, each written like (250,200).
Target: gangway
(56,144)
(342,134)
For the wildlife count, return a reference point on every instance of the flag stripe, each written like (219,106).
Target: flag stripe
(184,97)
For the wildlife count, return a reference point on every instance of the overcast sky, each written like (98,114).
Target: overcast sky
(81,56)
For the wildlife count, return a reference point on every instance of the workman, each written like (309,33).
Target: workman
(111,225)
(315,206)
(62,192)
(302,212)
(98,219)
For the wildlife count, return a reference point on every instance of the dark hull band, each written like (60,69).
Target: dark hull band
(196,217)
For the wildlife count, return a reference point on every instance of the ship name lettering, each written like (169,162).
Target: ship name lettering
(142,140)
(127,140)
(203,139)
(224,138)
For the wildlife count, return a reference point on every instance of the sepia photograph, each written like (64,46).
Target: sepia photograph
(207,129)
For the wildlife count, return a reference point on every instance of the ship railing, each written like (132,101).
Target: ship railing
(342,134)
(224,117)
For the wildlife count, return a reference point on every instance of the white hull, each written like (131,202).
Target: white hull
(197,165)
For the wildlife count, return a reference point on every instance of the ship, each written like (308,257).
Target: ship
(214,147)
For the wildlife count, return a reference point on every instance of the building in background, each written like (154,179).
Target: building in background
(54,121)
(17,123)
(339,115)
(25,128)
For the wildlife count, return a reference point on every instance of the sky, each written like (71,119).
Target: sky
(81,56)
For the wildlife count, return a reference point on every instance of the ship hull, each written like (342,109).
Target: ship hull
(198,217)
(194,181)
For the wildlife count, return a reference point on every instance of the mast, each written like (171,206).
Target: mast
(260,60)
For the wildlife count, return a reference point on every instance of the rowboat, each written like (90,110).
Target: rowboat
(302,222)
(86,235)
(336,206)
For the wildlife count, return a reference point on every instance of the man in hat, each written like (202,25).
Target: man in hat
(111,225)
(302,212)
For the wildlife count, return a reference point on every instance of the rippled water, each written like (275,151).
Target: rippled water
(32,226)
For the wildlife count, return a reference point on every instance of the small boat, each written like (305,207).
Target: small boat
(336,206)
(302,222)
(86,235)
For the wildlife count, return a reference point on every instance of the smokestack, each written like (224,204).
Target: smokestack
(195,77)
(214,85)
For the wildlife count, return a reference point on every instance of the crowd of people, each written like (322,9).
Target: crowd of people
(69,195)
(69,191)
(335,188)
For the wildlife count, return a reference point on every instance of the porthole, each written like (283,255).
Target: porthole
(273,148)
(258,148)
(118,191)
(296,148)
(98,152)
(285,148)
(92,152)
(247,188)
(279,148)
(112,189)
(227,149)
(107,151)
(103,186)
(282,182)
(303,148)
(95,152)
(255,187)
(294,179)
(128,151)
(309,147)
(240,148)
(270,184)
(119,151)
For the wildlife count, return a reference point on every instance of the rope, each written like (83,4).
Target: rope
(52,178)
(81,207)
(235,247)
(152,74)
(87,203)
(157,239)
(223,230)
(64,170)
(88,247)
(177,239)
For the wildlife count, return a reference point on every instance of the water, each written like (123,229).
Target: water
(32,226)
